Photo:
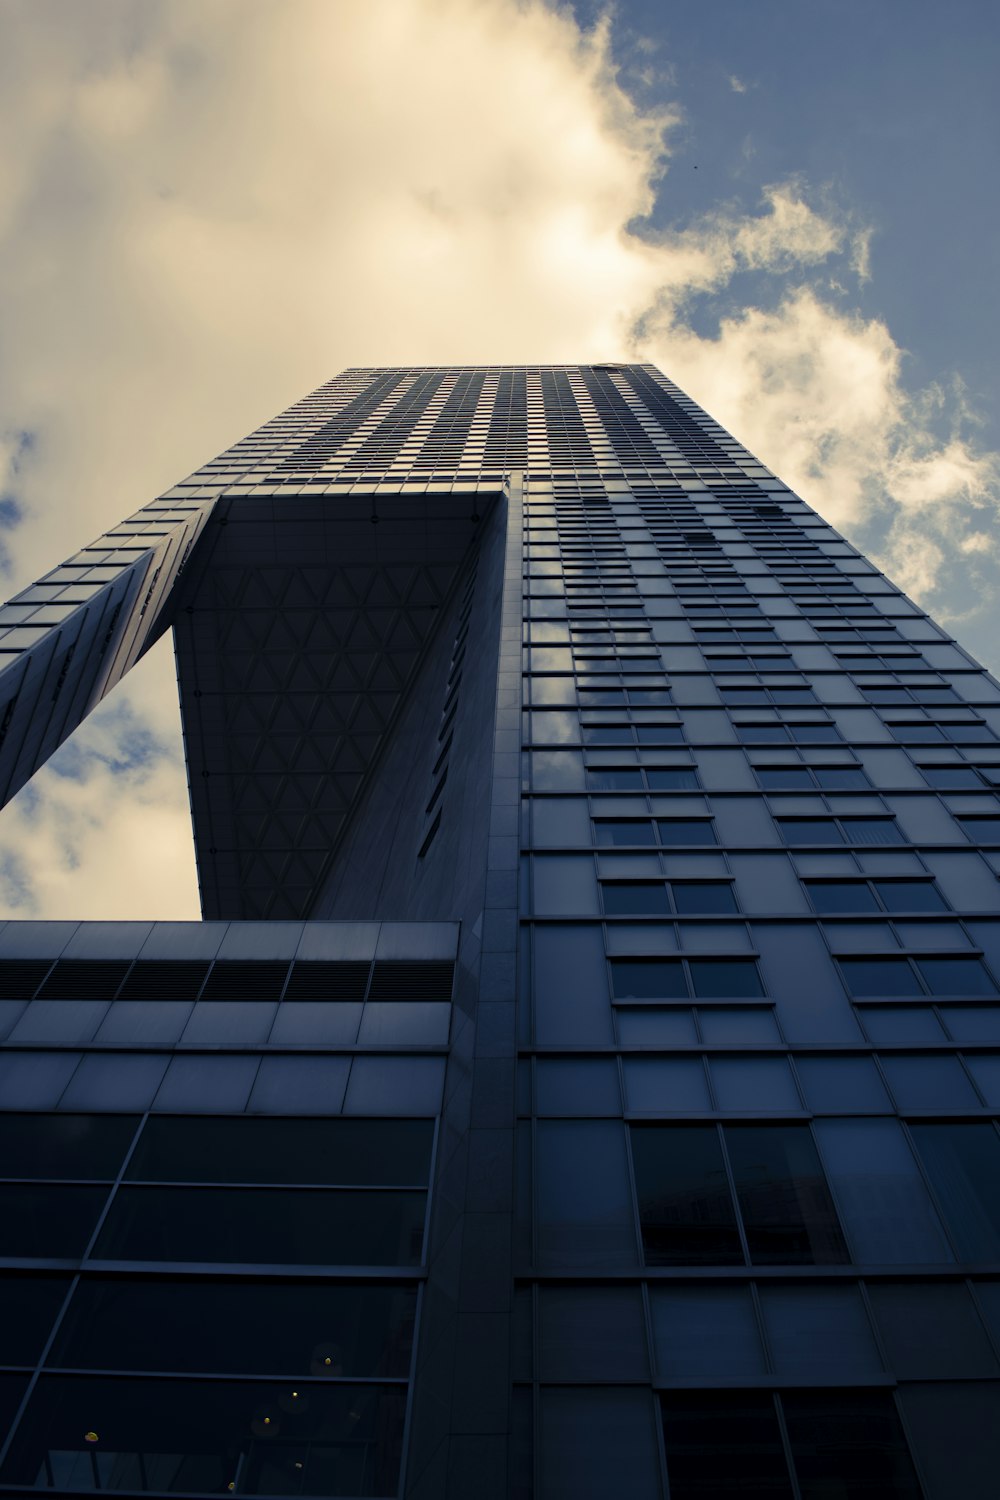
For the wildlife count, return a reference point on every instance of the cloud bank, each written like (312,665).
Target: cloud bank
(211,209)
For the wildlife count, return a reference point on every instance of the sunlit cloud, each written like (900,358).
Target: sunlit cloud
(212,209)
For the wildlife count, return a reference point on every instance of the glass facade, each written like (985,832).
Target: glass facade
(608,1104)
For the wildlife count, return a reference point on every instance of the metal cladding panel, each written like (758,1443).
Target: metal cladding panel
(298,637)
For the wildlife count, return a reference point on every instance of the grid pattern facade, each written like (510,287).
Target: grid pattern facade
(661,1159)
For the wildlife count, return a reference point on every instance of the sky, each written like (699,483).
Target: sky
(207,210)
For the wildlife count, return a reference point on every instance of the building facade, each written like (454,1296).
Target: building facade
(584,1079)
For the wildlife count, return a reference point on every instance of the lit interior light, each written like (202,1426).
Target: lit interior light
(90,1437)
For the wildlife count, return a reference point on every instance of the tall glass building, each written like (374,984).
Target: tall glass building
(583,1081)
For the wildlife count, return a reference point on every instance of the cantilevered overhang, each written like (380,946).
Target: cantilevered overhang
(301,626)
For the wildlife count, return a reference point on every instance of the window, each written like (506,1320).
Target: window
(863,831)
(687,1212)
(653,898)
(239,1328)
(831,897)
(963,1163)
(796,777)
(872,978)
(208,1435)
(665,978)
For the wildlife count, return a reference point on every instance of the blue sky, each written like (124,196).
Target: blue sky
(889,105)
(788,205)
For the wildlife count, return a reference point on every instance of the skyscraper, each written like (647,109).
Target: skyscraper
(583,1082)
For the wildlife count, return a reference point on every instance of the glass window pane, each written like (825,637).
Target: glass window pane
(955,1431)
(84,1146)
(702,897)
(852,1440)
(809,831)
(685,831)
(909,895)
(204,1436)
(723,1443)
(931,1330)
(705,1332)
(956,976)
(723,977)
(648,979)
(251,1149)
(685,1206)
(870,830)
(819,1332)
(618,831)
(787,1210)
(260,1226)
(672,781)
(879,976)
(829,896)
(28,1308)
(963,1163)
(238,1328)
(48,1220)
(625,898)
(887,1211)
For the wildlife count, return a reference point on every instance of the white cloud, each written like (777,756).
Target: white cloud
(214,208)
(737,85)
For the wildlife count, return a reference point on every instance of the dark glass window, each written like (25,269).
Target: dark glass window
(614,781)
(908,895)
(264,1226)
(963,1163)
(849,1444)
(250,1148)
(647,979)
(870,830)
(623,831)
(234,1328)
(951,778)
(784,778)
(685,1207)
(956,976)
(81,1146)
(720,1444)
(829,896)
(982,830)
(634,898)
(787,1210)
(698,897)
(659,734)
(28,1308)
(685,831)
(879,976)
(720,977)
(48,1220)
(809,831)
(205,1436)
(672,781)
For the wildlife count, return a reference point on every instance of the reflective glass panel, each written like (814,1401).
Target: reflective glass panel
(261,1226)
(787,1210)
(685,1206)
(238,1328)
(205,1436)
